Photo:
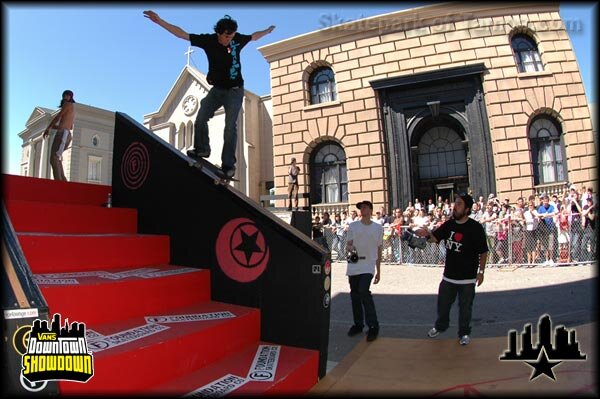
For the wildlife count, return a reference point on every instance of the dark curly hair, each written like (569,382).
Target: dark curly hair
(226,24)
(69,92)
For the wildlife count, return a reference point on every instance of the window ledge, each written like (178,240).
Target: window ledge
(551,188)
(525,75)
(322,105)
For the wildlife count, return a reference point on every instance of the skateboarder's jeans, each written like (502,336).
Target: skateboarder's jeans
(61,142)
(446,296)
(231,100)
(360,296)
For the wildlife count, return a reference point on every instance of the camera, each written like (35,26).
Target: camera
(413,240)
(353,256)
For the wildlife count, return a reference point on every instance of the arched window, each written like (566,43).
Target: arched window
(189,136)
(526,53)
(322,86)
(441,154)
(329,177)
(546,151)
(180,138)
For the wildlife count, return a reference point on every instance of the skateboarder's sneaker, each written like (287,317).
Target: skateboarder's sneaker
(228,172)
(198,154)
(464,340)
(433,333)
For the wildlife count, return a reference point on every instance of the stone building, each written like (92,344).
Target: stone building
(431,101)
(89,158)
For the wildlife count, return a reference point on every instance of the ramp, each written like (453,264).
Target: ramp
(185,286)
(255,259)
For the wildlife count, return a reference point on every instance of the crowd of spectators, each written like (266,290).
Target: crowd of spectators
(542,229)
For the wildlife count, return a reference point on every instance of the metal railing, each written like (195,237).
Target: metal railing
(514,246)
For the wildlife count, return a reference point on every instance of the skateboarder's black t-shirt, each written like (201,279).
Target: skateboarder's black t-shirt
(224,63)
(464,243)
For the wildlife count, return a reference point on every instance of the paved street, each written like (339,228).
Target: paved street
(406,296)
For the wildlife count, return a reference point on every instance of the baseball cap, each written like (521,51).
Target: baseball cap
(69,92)
(368,203)
(467,199)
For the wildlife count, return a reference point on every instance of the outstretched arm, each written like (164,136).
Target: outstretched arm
(175,30)
(257,35)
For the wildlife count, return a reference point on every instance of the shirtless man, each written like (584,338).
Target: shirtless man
(63,123)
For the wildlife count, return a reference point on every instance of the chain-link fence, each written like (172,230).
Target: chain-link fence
(509,243)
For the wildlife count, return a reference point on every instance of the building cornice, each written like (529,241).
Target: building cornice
(429,76)
(164,125)
(436,14)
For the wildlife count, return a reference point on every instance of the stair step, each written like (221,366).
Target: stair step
(181,347)
(59,253)
(295,374)
(101,296)
(46,190)
(51,217)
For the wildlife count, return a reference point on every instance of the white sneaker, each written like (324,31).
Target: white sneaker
(433,333)
(551,263)
(464,340)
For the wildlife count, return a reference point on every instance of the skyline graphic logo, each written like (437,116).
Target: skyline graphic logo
(57,353)
(550,351)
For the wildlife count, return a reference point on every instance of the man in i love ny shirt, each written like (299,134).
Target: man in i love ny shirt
(466,256)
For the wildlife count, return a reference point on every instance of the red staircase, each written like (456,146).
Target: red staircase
(92,267)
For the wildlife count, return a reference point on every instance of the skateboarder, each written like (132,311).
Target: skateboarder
(225,74)
(63,123)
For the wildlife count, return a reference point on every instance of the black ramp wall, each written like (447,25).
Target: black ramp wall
(255,259)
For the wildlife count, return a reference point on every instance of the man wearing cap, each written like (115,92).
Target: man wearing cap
(366,238)
(466,256)
(63,123)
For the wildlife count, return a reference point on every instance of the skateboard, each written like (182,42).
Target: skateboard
(219,176)
(222,178)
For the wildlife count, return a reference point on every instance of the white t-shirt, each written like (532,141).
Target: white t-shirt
(366,240)
(531,222)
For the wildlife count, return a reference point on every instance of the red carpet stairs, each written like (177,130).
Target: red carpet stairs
(93,267)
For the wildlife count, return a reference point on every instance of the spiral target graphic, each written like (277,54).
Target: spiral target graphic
(135,165)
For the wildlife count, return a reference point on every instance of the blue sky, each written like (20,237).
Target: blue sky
(114,58)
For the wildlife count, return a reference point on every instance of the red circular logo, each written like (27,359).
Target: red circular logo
(135,165)
(242,251)
(458,237)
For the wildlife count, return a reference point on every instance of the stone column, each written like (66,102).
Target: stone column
(45,158)
(31,160)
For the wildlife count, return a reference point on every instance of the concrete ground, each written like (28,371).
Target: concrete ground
(405,300)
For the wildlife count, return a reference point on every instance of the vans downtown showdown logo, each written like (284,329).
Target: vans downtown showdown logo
(57,353)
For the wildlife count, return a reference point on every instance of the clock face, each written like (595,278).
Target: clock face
(190,103)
